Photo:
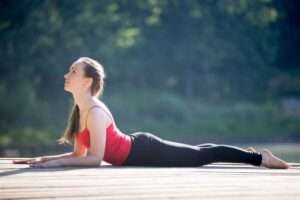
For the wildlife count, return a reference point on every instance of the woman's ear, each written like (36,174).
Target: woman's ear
(88,82)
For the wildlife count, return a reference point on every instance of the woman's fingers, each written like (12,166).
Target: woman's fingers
(36,160)
(29,161)
(20,161)
(23,161)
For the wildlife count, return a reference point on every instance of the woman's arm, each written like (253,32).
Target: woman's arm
(89,160)
(59,156)
(41,159)
(79,150)
(96,122)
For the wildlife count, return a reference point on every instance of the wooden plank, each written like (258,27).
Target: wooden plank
(215,181)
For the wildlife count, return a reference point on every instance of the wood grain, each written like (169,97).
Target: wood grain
(215,181)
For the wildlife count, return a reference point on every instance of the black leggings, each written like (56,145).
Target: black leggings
(150,150)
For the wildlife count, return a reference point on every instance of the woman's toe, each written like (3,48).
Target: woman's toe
(251,149)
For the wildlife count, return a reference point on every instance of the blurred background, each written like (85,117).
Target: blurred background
(220,71)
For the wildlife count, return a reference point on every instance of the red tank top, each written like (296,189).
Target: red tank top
(117,146)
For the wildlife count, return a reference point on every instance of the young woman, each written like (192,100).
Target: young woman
(96,136)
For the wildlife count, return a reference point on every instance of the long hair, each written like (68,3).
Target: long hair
(94,70)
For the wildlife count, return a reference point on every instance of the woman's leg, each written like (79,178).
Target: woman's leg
(212,144)
(150,150)
(229,153)
(206,145)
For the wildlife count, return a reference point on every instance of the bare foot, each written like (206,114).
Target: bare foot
(271,161)
(251,149)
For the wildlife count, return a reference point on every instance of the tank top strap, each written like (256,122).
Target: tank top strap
(109,115)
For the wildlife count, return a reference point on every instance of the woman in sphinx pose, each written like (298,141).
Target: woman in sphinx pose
(96,136)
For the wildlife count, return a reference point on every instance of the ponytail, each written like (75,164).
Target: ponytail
(72,127)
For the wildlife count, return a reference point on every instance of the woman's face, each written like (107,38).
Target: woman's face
(75,80)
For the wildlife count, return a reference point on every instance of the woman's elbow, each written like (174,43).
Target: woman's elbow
(95,161)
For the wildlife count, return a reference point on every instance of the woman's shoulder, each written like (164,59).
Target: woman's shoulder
(104,108)
(102,105)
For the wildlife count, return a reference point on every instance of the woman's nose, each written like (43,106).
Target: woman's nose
(65,76)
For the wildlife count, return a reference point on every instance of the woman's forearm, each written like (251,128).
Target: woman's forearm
(59,156)
(89,160)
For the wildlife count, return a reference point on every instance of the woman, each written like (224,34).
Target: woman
(96,136)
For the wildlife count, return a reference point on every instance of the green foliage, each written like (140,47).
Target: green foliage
(26,136)
(172,116)
(207,58)
(206,48)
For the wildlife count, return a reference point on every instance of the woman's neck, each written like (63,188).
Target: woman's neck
(84,101)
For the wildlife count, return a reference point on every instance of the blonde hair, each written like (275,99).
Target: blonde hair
(94,70)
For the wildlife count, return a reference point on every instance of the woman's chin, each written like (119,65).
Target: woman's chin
(66,89)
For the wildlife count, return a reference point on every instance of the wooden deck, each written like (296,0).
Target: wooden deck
(216,181)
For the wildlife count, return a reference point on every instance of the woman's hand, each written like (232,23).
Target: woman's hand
(32,160)
(46,164)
